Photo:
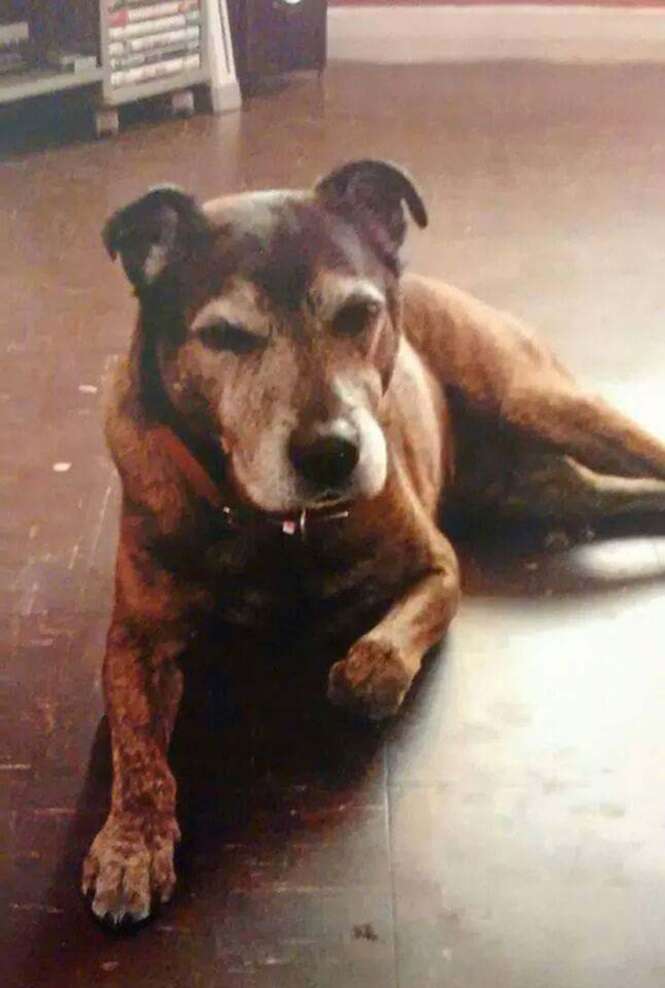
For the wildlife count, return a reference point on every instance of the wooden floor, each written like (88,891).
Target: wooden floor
(509,828)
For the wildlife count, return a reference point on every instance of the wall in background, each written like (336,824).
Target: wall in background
(509,3)
(553,32)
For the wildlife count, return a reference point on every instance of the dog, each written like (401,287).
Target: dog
(291,416)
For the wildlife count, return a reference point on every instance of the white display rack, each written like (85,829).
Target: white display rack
(152,47)
(145,48)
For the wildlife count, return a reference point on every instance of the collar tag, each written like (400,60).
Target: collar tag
(292,525)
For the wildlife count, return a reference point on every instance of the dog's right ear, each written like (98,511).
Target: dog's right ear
(374,194)
(153,232)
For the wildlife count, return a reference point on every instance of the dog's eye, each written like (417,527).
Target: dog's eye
(228,336)
(354,318)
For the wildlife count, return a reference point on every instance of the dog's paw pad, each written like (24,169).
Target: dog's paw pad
(373,679)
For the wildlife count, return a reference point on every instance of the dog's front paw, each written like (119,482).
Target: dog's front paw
(128,867)
(373,679)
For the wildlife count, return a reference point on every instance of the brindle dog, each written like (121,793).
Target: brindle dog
(286,385)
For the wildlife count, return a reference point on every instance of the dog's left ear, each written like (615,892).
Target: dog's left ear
(374,192)
(154,231)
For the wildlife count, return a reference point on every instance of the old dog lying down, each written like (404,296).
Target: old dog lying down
(287,387)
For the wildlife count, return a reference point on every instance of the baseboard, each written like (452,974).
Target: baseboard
(407,34)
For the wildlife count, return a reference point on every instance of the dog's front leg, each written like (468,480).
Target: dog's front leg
(380,667)
(130,862)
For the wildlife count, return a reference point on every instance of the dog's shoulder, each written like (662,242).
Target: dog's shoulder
(121,411)
(150,480)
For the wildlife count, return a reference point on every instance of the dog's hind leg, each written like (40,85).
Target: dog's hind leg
(558,414)
(551,487)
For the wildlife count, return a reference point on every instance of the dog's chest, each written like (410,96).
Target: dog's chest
(265,576)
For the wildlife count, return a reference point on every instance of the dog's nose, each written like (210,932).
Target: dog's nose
(325,460)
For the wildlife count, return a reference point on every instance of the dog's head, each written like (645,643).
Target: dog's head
(271,322)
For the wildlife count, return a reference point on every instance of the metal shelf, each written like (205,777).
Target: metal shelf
(37,81)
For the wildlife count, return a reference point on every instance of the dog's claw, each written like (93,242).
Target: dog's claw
(90,871)
(373,679)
